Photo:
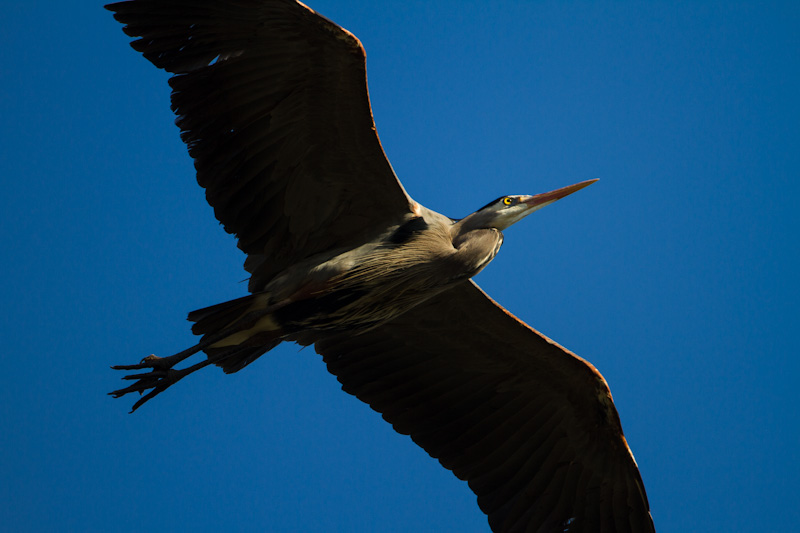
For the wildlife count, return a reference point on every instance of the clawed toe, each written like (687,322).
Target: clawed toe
(151,361)
(160,377)
(158,380)
(140,386)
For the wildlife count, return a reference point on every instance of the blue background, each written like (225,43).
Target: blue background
(676,274)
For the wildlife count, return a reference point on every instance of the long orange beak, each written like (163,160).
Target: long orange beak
(538,201)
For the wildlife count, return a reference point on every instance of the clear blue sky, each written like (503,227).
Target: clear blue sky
(676,274)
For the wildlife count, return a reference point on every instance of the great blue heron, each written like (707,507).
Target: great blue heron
(272,102)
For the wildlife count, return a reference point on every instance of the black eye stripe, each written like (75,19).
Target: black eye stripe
(502,200)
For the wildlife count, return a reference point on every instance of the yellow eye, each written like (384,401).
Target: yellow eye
(507,200)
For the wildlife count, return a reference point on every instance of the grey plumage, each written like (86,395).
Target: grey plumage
(272,103)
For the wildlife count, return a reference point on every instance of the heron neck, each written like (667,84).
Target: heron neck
(474,221)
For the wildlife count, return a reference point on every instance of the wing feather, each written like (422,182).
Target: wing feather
(272,104)
(529,425)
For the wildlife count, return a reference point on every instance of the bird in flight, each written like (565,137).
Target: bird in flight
(272,102)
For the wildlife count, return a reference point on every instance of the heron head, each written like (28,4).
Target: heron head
(507,210)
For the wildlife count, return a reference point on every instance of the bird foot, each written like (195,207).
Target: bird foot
(151,361)
(160,378)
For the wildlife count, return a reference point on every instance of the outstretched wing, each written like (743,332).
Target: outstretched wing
(531,426)
(272,102)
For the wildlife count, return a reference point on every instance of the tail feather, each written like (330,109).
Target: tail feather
(234,358)
(218,317)
(211,320)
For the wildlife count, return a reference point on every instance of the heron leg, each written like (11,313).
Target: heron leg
(161,363)
(162,373)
